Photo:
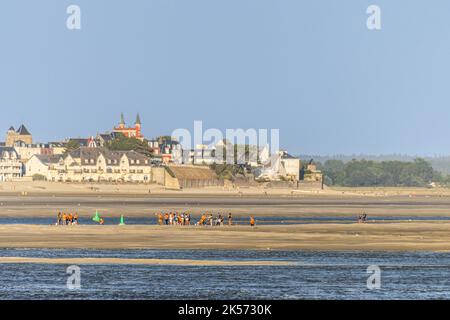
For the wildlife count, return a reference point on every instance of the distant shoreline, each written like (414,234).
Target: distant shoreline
(41,188)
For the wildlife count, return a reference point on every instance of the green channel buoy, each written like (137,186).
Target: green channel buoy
(96,218)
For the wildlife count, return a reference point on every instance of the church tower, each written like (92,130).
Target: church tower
(130,132)
(137,126)
(122,121)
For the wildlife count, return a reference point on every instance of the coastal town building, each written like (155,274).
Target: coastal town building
(90,159)
(100,164)
(58,148)
(38,165)
(154,146)
(22,134)
(291,166)
(10,165)
(130,132)
(311,174)
(104,138)
(26,151)
(168,148)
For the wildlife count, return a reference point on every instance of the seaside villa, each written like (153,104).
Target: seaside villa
(10,165)
(99,164)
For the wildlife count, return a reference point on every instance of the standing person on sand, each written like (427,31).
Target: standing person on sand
(160,219)
(59,219)
(230,219)
(252,221)
(166,218)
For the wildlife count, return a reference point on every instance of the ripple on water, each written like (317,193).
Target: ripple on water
(318,275)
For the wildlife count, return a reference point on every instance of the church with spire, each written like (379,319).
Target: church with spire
(130,132)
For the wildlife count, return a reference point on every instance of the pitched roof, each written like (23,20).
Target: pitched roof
(93,153)
(83,142)
(138,119)
(23,131)
(9,150)
(46,159)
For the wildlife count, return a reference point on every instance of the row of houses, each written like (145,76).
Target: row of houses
(93,161)
(98,164)
(87,164)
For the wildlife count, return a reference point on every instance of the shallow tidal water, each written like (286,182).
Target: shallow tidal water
(261,220)
(315,275)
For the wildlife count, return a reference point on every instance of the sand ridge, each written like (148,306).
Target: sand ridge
(402,236)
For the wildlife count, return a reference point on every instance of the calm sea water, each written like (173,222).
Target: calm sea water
(316,275)
(261,220)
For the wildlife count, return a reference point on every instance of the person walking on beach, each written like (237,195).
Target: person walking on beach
(252,221)
(166,218)
(59,219)
(364,217)
(202,220)
(64,219)
(160,219)
(230,219)
(75,218)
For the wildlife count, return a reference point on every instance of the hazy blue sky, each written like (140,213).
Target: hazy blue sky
(310,68)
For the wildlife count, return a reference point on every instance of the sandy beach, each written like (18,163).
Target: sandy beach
(32,200)
(50,189)
(411,236)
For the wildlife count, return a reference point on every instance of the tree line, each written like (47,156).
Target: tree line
(366,173)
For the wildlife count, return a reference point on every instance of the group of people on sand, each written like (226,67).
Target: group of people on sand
(67,219)
(168,218)
(210,220)
(206,219)
(362,218)
(174,218)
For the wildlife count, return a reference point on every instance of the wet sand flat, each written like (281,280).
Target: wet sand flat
(404,236)
(148,206)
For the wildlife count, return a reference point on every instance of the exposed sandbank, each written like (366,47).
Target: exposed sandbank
(405,236)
